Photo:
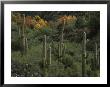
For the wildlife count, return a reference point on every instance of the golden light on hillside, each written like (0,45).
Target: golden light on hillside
(40,23)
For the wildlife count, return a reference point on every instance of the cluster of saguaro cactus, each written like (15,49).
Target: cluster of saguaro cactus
(61,48)
(22,35)
(45,60)
(84,55)
(46,56)
(94,61)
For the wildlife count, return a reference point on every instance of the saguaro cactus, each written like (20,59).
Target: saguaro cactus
(61,43)
(23,34)
(50,54)
(26,44)
(53,46)
(45,50)
(19,30)
(61,50)
(59,54)
(94,61)
(85,44)
(96,55)
(45,65)
(62,34)
(84,55)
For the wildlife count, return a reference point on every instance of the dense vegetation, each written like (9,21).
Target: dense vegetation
(55,44)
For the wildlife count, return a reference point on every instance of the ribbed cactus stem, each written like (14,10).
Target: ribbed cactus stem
(85,44)
(63,52)
(45,49)
(62,32)
(23,23)
(83,66)
(59,50)
(23,35)
(50,55)
(96,50)
(19,30)
(84,55)
(62,37)
(64,24)
(53,47)
(98,57)
(26,44)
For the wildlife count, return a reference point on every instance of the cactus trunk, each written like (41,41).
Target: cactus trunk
(59,50)
(98,58)
(96,55)
(63,52)
(45,50)
(61,43)
(84,55)
(83,67)
(62,34)
(19,30)
(23,34)
(50,54)
(44,56)
(85,44)
(26,44)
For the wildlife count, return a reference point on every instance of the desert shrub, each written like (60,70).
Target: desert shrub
(81,22)
(67,61)
(16,44)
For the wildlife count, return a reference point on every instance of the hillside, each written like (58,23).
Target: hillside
(55,44)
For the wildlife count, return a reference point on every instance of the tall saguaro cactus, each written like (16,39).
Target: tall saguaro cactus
(19,30)
(84,55)
(96,54)
(45,49)
(85,44)
(50,54)
(24,39)
(61,50)
(64,48)
(45,56)
(26,44)
(62,34)
(61,43)
(23,34)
